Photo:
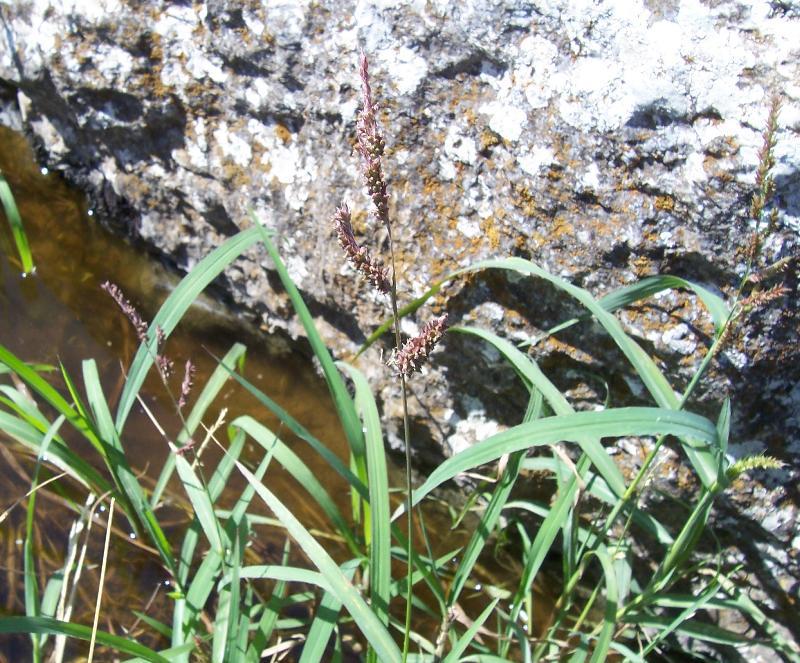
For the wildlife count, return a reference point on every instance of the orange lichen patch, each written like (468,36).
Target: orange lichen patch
(643,266)
(560,227)
(665,203)
(524,201)
(359,218)
(491,232)
(235,176)
(488,139)
(283,134)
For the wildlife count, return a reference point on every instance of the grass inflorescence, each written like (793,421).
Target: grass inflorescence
(228,606)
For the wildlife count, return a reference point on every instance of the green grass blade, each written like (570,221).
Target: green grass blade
(33,606)
(532,376)
(157,626)
(184,615)
(724,432)
(341,398)
(207,396)
(372,628)
(406,310)
(201,502)
(652,285)
(284,574)
(59,454)
(619,422)
(702,460)
(326,618)
(611,302)
(200,588)
(227,615)
(188,608)
(748,607)
(493,510)
(48,625)
(174,308)
(683,545)
(610,615)
(464,641)
(684,615)
(379,515)
(545,536)
(652,377)
(17,229)
(299,470)
(269,618)
(696,629)
(598,488)
(30,377)
(119,467)
(301,432)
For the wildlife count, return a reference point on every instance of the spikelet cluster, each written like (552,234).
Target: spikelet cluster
(416,350)
(358,255)
(371,146)
(163,363)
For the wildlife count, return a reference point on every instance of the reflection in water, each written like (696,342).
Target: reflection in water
(62,315)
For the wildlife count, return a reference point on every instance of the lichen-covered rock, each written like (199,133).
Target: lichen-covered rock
(604,140)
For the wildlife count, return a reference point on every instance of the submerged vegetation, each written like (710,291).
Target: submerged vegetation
(381,590)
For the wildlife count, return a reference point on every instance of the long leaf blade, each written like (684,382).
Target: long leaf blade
(372,628)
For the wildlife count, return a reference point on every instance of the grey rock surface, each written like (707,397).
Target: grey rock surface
(604,140)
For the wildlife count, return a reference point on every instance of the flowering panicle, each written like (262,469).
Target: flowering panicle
(765,185)
(163,363)
(370,267)
(186,385)
(416,350)
(128,309)
(371,146)
(761,298)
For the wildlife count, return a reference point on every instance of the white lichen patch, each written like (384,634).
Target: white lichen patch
(468,226)
(177,23)
(232,145)
(680,339)
(407,68)
(199,67)
(533,161)
(474,428)
(459,146)
(506,120)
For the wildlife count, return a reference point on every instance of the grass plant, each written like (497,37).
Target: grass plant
(9,205)
(228,606)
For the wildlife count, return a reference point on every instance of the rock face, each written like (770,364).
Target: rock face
(604,140)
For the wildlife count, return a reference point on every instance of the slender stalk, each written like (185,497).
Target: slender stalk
(407,446)
(101,582)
